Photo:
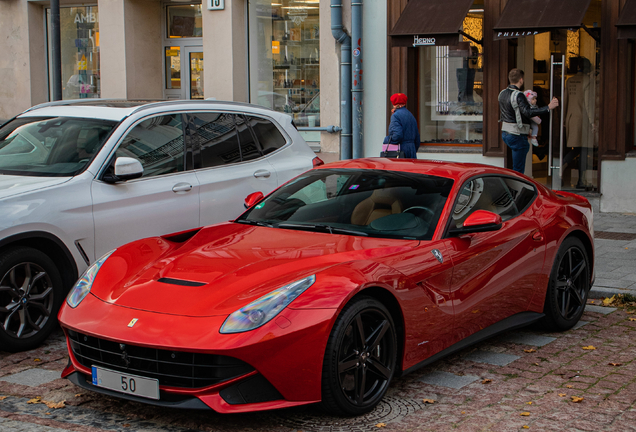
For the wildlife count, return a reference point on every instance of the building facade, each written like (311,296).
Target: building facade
(451,58)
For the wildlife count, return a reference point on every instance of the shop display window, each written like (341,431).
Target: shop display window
(79,35)
(284,53)
(451,87)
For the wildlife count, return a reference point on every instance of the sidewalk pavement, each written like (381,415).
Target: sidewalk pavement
(615,257)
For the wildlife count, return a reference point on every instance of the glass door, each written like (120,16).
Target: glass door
(193,57)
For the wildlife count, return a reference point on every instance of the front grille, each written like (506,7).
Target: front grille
(171,368)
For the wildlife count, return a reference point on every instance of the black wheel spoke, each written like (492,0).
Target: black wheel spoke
(565,303)
(377,335)
(42,296)
(570,261)
(360,331)
(347,365)
(379,368)
(31,322)
(578,269)
(22,323)
(560,284)
(33,281)
(577,297)
(360,385)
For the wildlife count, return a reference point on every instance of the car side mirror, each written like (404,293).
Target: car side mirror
(479,221)
(252,199)
(128,168)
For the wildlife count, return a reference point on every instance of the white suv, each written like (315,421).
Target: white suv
(80,178)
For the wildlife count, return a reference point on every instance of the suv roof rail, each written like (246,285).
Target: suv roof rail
(68,102)
(199,101)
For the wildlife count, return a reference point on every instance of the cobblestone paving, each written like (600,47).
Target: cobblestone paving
(523,378)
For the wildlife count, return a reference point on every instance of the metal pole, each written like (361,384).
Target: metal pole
(561,123)
(550,161)
(356,80)
(337,30)
(56,53)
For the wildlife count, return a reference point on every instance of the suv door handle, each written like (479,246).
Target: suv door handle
(182,187)
(262,173)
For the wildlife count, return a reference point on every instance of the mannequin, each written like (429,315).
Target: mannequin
(579,94)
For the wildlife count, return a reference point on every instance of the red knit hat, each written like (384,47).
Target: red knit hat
(398,99)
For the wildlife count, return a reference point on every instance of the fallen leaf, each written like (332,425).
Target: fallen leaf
(615,364)
(3,397)
(428,401)
(531,350)
(476,311)
(536,364)
(592,302)
(486,381)
(529,403)
(35,400)
(79,394)
(463,412)
(525,414)
(37,360)
(626,248)
(128,425)
(569,386)
(526,427)
(609,301)
(590,347)
(48,413)
(576,399)
(54,405)
(632,319)
(562,394)
(380,425)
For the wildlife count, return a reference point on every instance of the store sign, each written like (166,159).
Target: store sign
(515,34)
(80,18)
(275,47)
(426,41)
(216,4)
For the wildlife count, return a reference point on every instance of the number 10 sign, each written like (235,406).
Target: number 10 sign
(216,4)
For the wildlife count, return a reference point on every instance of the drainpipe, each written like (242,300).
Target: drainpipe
(56,52)
(337,30)
(356,79)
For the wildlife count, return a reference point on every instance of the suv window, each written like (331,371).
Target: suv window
(157,143)
(249,146)
(267,134)
(485,193)
(215,135)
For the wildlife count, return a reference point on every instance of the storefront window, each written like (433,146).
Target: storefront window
(184,21)
(451,87)
(285,57)
(79,34)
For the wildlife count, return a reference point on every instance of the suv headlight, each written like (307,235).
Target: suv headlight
(262,310)
(83,285)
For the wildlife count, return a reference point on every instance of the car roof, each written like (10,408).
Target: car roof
(453,170)
(118,109)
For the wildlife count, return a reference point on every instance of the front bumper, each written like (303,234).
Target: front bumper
(286,354)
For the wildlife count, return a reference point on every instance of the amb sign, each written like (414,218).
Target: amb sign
(80,18)
(418,41)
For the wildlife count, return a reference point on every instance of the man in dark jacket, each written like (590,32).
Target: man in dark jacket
(403,127)
(515,118)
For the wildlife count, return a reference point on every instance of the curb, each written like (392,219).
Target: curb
(602,292)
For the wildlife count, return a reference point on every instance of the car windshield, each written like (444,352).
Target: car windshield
(51,146)
(370,203)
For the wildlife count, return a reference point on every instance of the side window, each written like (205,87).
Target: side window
(157,143)
(249,146)
(485,193)
(215,135)
(267,134)
(522,193)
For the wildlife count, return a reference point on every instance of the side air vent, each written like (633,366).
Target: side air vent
(180,282)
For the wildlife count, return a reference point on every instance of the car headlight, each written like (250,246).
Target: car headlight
(83,285)
(262,310)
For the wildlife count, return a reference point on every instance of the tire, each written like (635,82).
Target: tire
(568,287)
(359,359)
(31,294)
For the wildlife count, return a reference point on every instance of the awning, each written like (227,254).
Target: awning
(529,17)
(627,21)
(430,22)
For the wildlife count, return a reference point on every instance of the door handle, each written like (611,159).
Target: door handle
(182,187)
(537,236)
(262,173)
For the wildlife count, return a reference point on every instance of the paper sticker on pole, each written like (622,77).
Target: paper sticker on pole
(216,4)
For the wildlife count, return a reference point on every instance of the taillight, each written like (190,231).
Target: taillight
(316,162)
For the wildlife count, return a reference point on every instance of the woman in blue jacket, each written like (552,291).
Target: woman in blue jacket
(403,127)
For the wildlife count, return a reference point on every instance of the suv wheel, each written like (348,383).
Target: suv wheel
(30,295)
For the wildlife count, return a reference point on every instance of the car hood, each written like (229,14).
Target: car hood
(225,267)
(13,185)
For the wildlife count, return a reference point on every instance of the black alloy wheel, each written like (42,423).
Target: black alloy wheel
(568,287)
(360,358)
(30,296)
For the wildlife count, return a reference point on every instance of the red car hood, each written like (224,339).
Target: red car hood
(231,265)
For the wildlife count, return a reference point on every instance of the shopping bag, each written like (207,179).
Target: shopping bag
(392,151)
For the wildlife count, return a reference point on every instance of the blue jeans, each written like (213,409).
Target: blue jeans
(519,146)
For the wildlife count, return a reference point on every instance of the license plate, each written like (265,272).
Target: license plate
(125,383)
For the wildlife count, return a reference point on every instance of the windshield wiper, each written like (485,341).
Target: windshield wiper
(253,222)
(326,228)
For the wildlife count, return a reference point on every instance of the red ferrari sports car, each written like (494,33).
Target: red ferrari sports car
(323,291)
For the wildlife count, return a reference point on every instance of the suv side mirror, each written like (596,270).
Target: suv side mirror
(252,199)
(479,221)
(128,168)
